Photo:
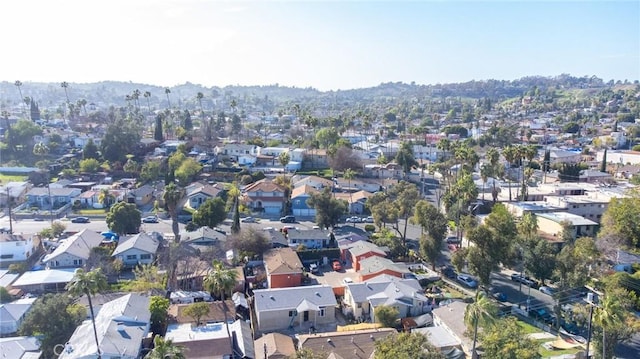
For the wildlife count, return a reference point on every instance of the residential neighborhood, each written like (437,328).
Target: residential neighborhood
(207,227)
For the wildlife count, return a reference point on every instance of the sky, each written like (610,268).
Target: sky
(328,45)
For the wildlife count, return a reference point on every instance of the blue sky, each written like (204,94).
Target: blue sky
(322,44)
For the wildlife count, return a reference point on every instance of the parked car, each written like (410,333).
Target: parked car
(288,219)
(354,219)
(248,220)
(369,220)
(453,240)
(497,294)
(528,281)
(336,265)
(546,290)
(150,219)
(542,315)
(467,280)
(449,272)
(80,220)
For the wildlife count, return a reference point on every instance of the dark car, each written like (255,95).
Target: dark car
(288,219)
(80,220)
(497,294)
(449,272)
(542,315)
(528,281)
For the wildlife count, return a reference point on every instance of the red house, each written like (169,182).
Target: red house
(283,267)
(375,266)
(362,250)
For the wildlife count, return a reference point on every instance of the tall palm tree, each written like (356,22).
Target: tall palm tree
(172,197)
(349,174)
(219,281)
(18,85)
(510,154)
(485,172)
(608,314)
(167,91)
(165,349)
(65,86)
(89,283)
(136,98)
(105,198)
(481,312)
(147,95)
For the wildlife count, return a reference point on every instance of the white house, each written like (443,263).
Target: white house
(81,141)
(121,325)
(12,314)
(282,308)
(197,193)
(74,251)
(15,248)
(136,250)
(620,157)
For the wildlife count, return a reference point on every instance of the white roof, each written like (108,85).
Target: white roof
(290,298)
(574,219)
(79,245)
(47,276)
(180,333)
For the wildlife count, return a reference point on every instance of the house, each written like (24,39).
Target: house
(14,191)
(274,346)
(264,196)
(553,224)
(316,158)
(12,314)
(237,152)
(45,198)
(518,209)
(44,281)
(15,248)
(356,201)
(361,250)
(136,250)
(81,141)
(356,344)
(197,193)
(406,295)
(283,268)
(20,348)
(121,326)
(74,251)
(374,266)
(282,308)
(203,236)
(276,238)
(316,182)
(557,155)
(311,238)
(443,340)
(299,197)
(590,206)
(211,341)
(140,196)
(451,318)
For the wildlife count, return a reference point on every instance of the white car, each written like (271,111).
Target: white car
(546,290)
(347,280)
(467,280)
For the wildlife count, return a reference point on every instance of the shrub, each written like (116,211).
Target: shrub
(369,227)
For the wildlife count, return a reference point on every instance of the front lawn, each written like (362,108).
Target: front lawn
(92,211)
(548,353)
(12,178)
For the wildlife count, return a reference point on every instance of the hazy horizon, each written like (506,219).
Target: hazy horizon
(326,45)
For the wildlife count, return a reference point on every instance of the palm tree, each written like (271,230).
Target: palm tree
(606,315)
(165,349)
(485,172)
(172,197)
(136,96)
(349,174)
(481,312)
(18,84)
(510,154)
(219,281)
(65,85)
(167,92)
(147,95)
(105,198)
(88,283)
(234,195)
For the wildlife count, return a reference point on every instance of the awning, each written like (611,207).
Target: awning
(306,305)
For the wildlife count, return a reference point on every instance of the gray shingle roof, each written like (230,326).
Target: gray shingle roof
(377,264)
(289,298)
(311,234)
(78,245)
(141,241)
(369,290)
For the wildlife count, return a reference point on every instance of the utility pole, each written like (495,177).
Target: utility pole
(9,206)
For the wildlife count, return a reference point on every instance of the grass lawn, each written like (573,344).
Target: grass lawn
(555,352)
(12,178)
(528,328)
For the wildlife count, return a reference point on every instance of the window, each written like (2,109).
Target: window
(77,262)
(131,256)
(6,256)
(321,312)
(359,305)
(292,313)
(145,256)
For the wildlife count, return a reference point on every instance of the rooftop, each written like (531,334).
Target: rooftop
(564,216)
(47,276)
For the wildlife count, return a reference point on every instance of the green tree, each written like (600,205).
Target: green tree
(124,218)
(284,159)
(507,340)
(165,349)
(53,318)
(187,170)
(405,158)
(603,165)
(327,136)
(121,138)
(158,307)
(105,198)
(481,313)
(172,198)
(90,150)
(5,297)
(434,223)
(619,223)
(21,135)
(540,259)
(328,209)
(386,315)
(211,213)
(197,311)
(88,283)
(147,278)
(150,171)
(220,280)
(40,149)
(90,165)
(158,135)
(406,346)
